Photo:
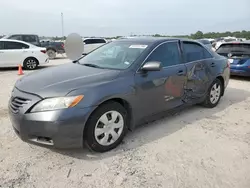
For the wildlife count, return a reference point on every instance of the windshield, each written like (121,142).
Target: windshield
(114,55)
(237,49)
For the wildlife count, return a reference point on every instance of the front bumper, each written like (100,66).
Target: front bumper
(56,129)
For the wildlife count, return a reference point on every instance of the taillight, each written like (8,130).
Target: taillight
(62,45)
(43,51)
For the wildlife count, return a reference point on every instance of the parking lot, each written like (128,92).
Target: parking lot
(194,148)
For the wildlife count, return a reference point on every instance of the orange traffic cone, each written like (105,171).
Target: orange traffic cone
(20,70)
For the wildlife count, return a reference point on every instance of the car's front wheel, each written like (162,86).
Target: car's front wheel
(214,94)
(106,127)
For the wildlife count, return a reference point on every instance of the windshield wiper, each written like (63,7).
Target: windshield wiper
(92,65)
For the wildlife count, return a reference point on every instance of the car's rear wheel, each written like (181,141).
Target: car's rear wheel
(51,53)
(106,127)
(30,63)
(214,94)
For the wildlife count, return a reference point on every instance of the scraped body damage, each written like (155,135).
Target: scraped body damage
(198,79)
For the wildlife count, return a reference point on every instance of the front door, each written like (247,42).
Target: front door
(162,90)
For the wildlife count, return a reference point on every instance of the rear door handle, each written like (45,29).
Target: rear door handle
(180,72)
(212,64)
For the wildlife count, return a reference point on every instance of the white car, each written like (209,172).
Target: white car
(15,52)
(91,44)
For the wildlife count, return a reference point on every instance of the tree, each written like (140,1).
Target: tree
(197,35)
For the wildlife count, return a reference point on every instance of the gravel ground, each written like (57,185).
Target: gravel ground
(196,148)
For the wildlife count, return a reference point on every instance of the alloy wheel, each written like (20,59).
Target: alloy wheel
(31,64)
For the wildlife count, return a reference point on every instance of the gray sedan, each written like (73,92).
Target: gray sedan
(97,98)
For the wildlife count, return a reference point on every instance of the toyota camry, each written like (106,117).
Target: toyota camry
(97,98)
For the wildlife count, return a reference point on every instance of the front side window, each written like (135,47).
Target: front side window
(168,54)
(14,46)
(195,52)
(114,55)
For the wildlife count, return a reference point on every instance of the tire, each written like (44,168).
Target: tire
(51,53)
(30,63)
(214,94)
(101,139)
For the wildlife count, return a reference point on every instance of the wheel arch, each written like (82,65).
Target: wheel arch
(122,102)
(30,57)
(223,83)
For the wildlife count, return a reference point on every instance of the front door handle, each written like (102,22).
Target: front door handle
(180,72)
(212,64)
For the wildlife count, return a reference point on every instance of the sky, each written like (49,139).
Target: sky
(123,17)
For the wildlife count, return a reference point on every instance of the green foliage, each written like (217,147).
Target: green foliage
(200,34)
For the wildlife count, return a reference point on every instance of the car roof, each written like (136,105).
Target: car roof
(154,39)
(94,38)
(237,42)
(12,40)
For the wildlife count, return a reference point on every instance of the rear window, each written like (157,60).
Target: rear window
(234,48)
(94,41)
(29,38)
(204,41)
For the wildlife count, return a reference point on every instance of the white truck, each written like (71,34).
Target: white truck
(91,44)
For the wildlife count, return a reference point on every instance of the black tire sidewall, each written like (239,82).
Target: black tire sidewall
(89,137)
(25,63)
(208,102)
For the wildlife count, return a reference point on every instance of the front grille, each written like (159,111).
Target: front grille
(17,102)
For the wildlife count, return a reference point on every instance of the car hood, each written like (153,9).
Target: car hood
(60,80)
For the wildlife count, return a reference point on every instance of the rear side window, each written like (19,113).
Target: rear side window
(29,38)
(14,45)
(168,54)
(195,52)
(236,48)
(1,45)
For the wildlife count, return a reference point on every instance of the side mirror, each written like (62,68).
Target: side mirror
(152,66)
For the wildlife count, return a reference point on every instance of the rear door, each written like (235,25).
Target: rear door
(162,90)
(14,52)
(200,69)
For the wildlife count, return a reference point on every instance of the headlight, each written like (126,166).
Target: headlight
(57,103)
